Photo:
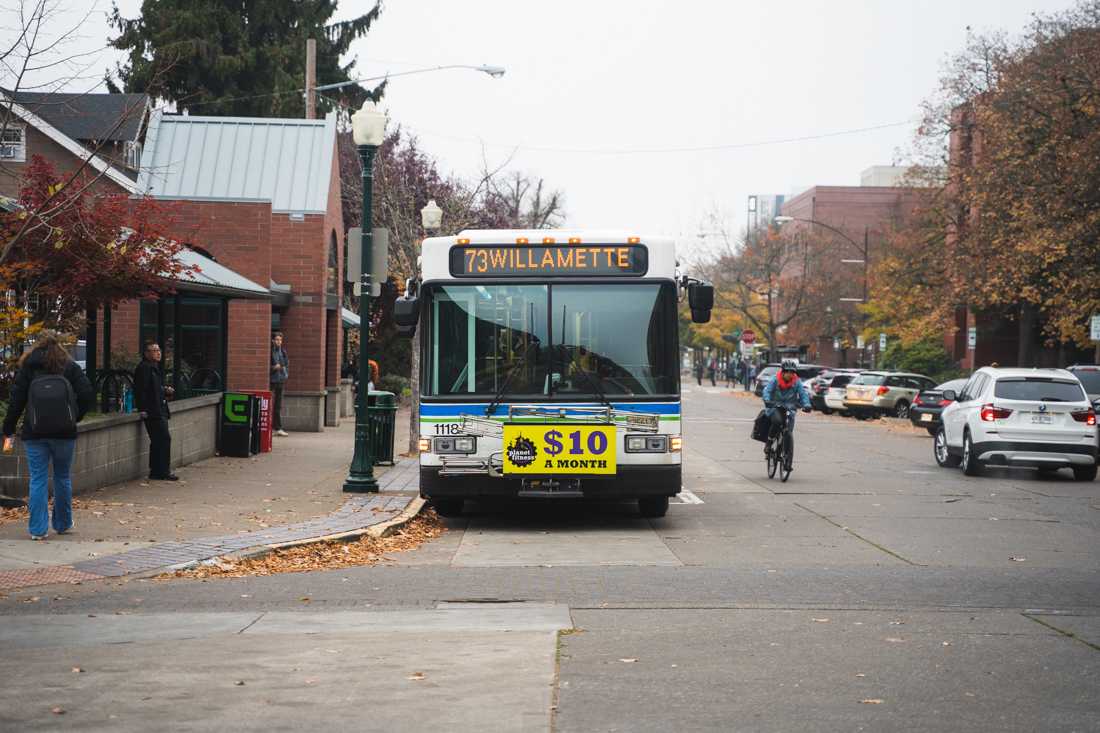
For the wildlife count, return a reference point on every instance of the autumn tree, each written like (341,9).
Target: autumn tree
(1016,229)
(237,57)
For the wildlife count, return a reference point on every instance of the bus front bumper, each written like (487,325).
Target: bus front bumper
(630,482)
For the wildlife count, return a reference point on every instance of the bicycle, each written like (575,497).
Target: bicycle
(779,450)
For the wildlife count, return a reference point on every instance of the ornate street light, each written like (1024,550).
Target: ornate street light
(368,128)
(431,216)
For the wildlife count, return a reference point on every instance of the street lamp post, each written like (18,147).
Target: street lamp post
(864,250)
(368,127)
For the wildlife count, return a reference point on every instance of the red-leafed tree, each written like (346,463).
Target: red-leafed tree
(74,248)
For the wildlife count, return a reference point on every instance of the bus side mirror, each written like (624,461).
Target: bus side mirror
(406,313)
(701,301)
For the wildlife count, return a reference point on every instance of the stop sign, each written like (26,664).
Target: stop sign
(748,336)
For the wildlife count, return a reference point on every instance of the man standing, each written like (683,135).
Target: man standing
(151,401)
(280,369)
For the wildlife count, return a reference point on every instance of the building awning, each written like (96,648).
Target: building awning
(216,279)
(280,295)
(349,318)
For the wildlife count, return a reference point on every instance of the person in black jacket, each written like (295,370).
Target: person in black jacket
(150,398)
(48,356)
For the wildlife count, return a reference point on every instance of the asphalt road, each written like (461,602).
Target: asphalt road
(873,591)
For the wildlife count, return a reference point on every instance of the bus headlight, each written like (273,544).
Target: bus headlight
(457,445)
(647,444)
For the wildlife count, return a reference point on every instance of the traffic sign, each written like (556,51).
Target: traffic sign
(1094,331)
(748,336)
(882,342)
(971,338)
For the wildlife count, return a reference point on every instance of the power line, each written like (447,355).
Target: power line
(660,151)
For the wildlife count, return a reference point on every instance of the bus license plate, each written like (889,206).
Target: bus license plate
(559,449)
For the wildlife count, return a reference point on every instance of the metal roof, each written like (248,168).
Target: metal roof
(285,161)
(350,317)
(216,278)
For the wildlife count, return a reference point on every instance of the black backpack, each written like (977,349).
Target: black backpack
(761,427)
(51,406)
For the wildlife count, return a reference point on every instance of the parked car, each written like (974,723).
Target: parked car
(872,394)
(819,387)
(1089,376)
(1019,417)
(806,372)
(929,403)
(838,388)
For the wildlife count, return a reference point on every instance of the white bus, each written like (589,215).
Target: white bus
(549,365)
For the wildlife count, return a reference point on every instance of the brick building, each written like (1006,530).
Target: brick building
(866,215)
(261,197)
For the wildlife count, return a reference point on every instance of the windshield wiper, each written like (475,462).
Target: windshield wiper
(573,359)
(534,342)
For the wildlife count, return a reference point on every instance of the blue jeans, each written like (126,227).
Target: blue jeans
(39,454)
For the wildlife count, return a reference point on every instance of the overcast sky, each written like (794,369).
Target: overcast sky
(592,84)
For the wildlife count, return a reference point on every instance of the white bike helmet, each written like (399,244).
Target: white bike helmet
(788,365)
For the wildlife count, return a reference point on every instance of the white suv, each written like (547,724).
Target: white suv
(1019,417)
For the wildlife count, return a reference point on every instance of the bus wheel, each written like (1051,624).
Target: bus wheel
(448,506)
(653,506)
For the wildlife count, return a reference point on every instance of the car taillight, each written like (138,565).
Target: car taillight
(916,400)
(945,403)
(1086,416)
(992,412)
(883,390)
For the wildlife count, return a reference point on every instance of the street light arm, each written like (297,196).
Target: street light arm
(831,228)
(494,71)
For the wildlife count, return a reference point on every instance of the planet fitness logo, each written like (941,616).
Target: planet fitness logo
(522,452)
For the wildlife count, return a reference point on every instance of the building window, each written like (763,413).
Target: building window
(333,273)
(13,146)
(202,363)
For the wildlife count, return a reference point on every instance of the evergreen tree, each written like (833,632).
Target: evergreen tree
(237,57)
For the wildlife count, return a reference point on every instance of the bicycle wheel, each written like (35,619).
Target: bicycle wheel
(773,457)
(787,458)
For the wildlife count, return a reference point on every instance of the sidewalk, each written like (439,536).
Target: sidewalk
(219,506)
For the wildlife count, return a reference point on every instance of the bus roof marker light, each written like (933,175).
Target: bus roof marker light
(574,240)
(633,240)
(522,240)
(463,240)
(547,240)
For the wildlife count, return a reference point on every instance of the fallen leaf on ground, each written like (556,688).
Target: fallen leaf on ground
(871,701)
(1018,559)
(947,643)
(628,661)
(77,670)
(860,674)
(895,640)
(58,711)
(821,620)
(417,676)
(239,683)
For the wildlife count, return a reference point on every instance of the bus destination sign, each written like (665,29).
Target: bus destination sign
(574,260)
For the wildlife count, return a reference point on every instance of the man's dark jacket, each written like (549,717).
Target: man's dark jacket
(34,366)
(149,390)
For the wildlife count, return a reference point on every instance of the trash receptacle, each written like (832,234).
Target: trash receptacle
(382,419)
(235,424)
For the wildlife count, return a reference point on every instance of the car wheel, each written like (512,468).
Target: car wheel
(826,410)
(652,507)
(901,409)
(1084,473)
(448,506)
(939,448)
(971,466)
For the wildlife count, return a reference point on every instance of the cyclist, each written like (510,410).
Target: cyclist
(786,390)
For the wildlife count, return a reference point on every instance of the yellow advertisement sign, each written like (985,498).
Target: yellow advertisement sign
(559,449)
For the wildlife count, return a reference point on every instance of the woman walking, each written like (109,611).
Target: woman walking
(55,394)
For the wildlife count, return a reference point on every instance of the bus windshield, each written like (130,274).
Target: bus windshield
(574,341)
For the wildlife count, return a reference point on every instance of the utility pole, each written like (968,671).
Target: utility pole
(311,79)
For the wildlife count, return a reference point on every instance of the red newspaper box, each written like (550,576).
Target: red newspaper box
(266,405)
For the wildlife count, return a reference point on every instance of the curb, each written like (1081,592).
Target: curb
(381,529)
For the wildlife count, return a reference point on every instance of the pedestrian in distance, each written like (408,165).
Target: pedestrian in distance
(750,375)
(151,400)
(699,372)
(712,371)
(280,370)
(56,394)
(731,373)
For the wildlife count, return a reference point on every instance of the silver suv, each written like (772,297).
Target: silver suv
(872,394)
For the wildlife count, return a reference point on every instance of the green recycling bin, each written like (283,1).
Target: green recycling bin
(382,420)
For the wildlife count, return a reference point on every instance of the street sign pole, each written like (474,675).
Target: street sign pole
(1094,335)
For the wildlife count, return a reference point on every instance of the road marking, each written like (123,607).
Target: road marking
(688,497)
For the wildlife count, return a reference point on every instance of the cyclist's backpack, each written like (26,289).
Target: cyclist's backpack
(761,427)
(51,406)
